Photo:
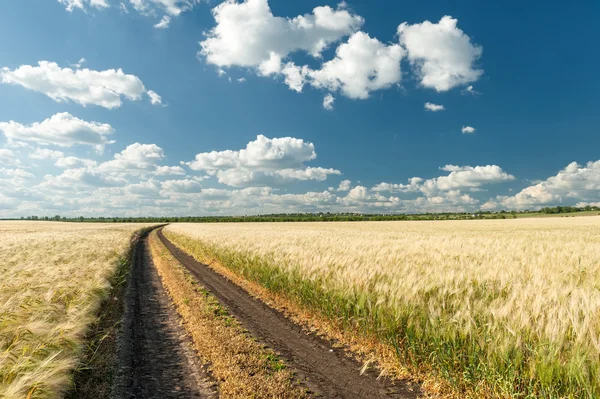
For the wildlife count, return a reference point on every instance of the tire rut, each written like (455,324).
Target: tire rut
(156,356)
(327,371)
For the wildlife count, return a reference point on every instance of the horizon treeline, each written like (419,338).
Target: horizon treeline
(317,217)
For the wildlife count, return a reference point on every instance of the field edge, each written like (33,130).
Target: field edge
(98,366)
(240,365)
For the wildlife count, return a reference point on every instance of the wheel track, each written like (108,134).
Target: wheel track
(155,354)
(327,371)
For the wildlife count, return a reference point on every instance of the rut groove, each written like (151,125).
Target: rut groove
(155,355)
(327,371)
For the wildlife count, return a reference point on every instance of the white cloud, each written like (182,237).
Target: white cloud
(328,101)
(74,179)
(575,183)
(240,177)
(8,157)
(154,97)
(468,129)
(441,54)
(18,173)
(462,177)
(241,80)
(163,23)
(79,63)
(361,65)
(135,159)
(148,187)
(169,170)
(248,34)
(46,154)
(433,107)
(413,185)
(83,4)
(263,153)
(171,7)
(182,186)
(264,161)
(470,90)
(83,86)
(447,189)
(344,185)
(74,162)
(62,129)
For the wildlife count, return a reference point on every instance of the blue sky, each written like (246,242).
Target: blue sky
(168,107)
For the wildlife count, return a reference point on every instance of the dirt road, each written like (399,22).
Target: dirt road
(328,372)
(155,355)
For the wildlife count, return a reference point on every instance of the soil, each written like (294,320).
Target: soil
(328,372)
(155,355)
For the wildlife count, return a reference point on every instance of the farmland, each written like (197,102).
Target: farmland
(53,278)
(496,308)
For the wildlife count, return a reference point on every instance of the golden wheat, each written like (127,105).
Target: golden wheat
(506,307)
(53,277)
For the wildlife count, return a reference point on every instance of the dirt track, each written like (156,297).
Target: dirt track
(156,358)
(326,371)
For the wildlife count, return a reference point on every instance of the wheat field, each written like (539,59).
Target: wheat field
(53,277)
(500,308)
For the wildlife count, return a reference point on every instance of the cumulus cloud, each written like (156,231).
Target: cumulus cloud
(574,183)
(264,161)
(81,85)
(361,65)
(344,185)
(441,54)
(182,186)
(247,34)
(46,154)
(328,101)
(469,178)
(135,159)
(63,129)
(148,187)
(461,177)
(468,129)
(8,157)
(433,107)
(169,170)
(74,162)
(70,5)
(262,153)
(74,179)
(414,184)
(17,173)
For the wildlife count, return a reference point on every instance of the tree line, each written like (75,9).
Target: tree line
(318,217)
